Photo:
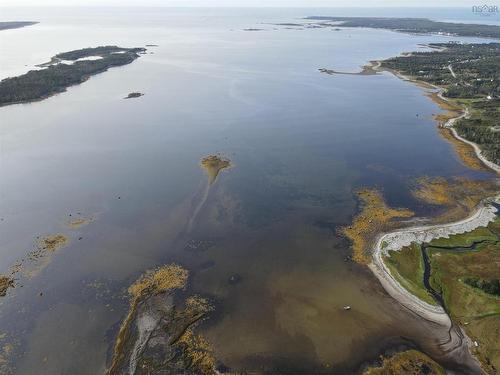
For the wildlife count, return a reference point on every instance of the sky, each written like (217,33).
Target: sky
(250,3)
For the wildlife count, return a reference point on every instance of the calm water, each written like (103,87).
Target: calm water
(301,143)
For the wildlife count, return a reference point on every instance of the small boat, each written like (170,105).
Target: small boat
(347,307)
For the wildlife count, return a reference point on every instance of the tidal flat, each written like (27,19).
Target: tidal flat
(213,164)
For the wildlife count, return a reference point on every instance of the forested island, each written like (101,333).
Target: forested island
(413,25)
(64,70)
(470,76)
(15,24)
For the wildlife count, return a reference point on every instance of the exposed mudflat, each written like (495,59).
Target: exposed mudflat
(158,335)
(213,164)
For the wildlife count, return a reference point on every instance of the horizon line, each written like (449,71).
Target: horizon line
(235,7)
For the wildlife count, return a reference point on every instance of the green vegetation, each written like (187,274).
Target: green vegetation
(487,286)
(15,24)
(469,73)
(478,312)
(464,271)
(466,239)
(470,76)
(415,25)
(407,266)
(56,76)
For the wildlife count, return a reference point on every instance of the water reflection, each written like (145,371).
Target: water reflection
(301,143)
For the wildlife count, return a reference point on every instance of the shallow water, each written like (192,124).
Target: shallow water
(300,142)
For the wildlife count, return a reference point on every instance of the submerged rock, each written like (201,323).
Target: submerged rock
(134,95)
(234,279)
(199,245)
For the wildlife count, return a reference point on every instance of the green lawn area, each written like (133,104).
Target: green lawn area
(407,267)
(476,311)
(466,239)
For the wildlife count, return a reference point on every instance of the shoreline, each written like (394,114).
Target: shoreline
(448,124)
(11,25)
(395,240)
(456,343)
(48,86)
(484,213)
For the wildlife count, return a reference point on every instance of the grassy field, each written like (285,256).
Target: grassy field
(466,239)
(407,267)
(475,255)
(475,310)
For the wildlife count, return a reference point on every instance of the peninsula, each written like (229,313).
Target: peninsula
(15,24)
(468,75)
(412,25)
(64,70)
(446,272)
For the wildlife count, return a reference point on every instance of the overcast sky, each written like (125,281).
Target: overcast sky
(250,3)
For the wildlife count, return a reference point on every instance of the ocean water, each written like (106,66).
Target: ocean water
(301,143)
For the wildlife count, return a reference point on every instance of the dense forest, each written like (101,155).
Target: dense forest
(487,286)
(469,73)
(56,76)
(414,25)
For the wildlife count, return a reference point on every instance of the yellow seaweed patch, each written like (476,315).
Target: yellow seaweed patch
(79,222)
(433,190)
(465,151)
(177,328)
(196,348)
(375,217)
(199,351)
(34,261)
(197,303)
(41,256)
(5,284)
(458,195)
(154,281)
(6,352)
(410,362)
(52,243)
(160,280)
(213,164)
(452,109)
